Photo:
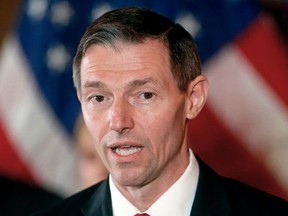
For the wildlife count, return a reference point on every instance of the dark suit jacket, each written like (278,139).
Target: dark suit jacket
(215,196)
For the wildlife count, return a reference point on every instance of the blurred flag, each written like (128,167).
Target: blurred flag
(38,104)
(242,131)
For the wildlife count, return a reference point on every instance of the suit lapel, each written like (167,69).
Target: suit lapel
(100,202)
(210,198)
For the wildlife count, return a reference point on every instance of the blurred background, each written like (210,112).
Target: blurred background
(242,132)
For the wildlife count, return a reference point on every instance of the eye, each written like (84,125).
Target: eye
(98,98)
(147,95)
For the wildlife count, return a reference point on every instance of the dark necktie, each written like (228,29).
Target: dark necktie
(144,214)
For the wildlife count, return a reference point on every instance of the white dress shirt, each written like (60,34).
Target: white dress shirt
(177,200)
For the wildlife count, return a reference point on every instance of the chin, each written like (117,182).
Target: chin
(129,179)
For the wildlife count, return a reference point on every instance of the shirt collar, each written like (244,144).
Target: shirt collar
(179,197)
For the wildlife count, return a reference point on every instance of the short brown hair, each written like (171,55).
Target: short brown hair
(134,25)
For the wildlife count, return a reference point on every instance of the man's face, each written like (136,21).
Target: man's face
(135,112)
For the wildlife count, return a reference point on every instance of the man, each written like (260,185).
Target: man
(139,81)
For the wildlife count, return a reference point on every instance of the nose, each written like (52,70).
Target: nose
(121,118)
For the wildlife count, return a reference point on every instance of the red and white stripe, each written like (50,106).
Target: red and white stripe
(32,138)
(247,106)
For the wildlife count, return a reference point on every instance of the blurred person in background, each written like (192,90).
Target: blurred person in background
(18,198)
(91,168)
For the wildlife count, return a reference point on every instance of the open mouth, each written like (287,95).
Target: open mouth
(126,150)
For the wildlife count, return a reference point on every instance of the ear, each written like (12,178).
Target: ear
(197,92)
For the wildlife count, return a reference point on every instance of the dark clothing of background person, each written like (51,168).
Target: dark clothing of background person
(20,199)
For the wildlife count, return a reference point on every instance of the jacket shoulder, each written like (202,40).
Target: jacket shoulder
(226,196)
(247,200)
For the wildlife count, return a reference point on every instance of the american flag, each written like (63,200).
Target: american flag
(242,132)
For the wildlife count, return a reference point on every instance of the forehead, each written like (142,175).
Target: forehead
(146,56)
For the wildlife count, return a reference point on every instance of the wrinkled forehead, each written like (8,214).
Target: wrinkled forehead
(118,44)
(150,57)
(121,53)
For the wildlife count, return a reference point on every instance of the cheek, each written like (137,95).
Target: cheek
(156,125)
(166,126)
(94,123)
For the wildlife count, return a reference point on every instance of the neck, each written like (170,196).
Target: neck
(143,197)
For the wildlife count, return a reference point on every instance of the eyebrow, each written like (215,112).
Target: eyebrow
(94,84)
(133,83)
(141,82)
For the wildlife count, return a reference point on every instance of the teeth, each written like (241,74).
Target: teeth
(127,150)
